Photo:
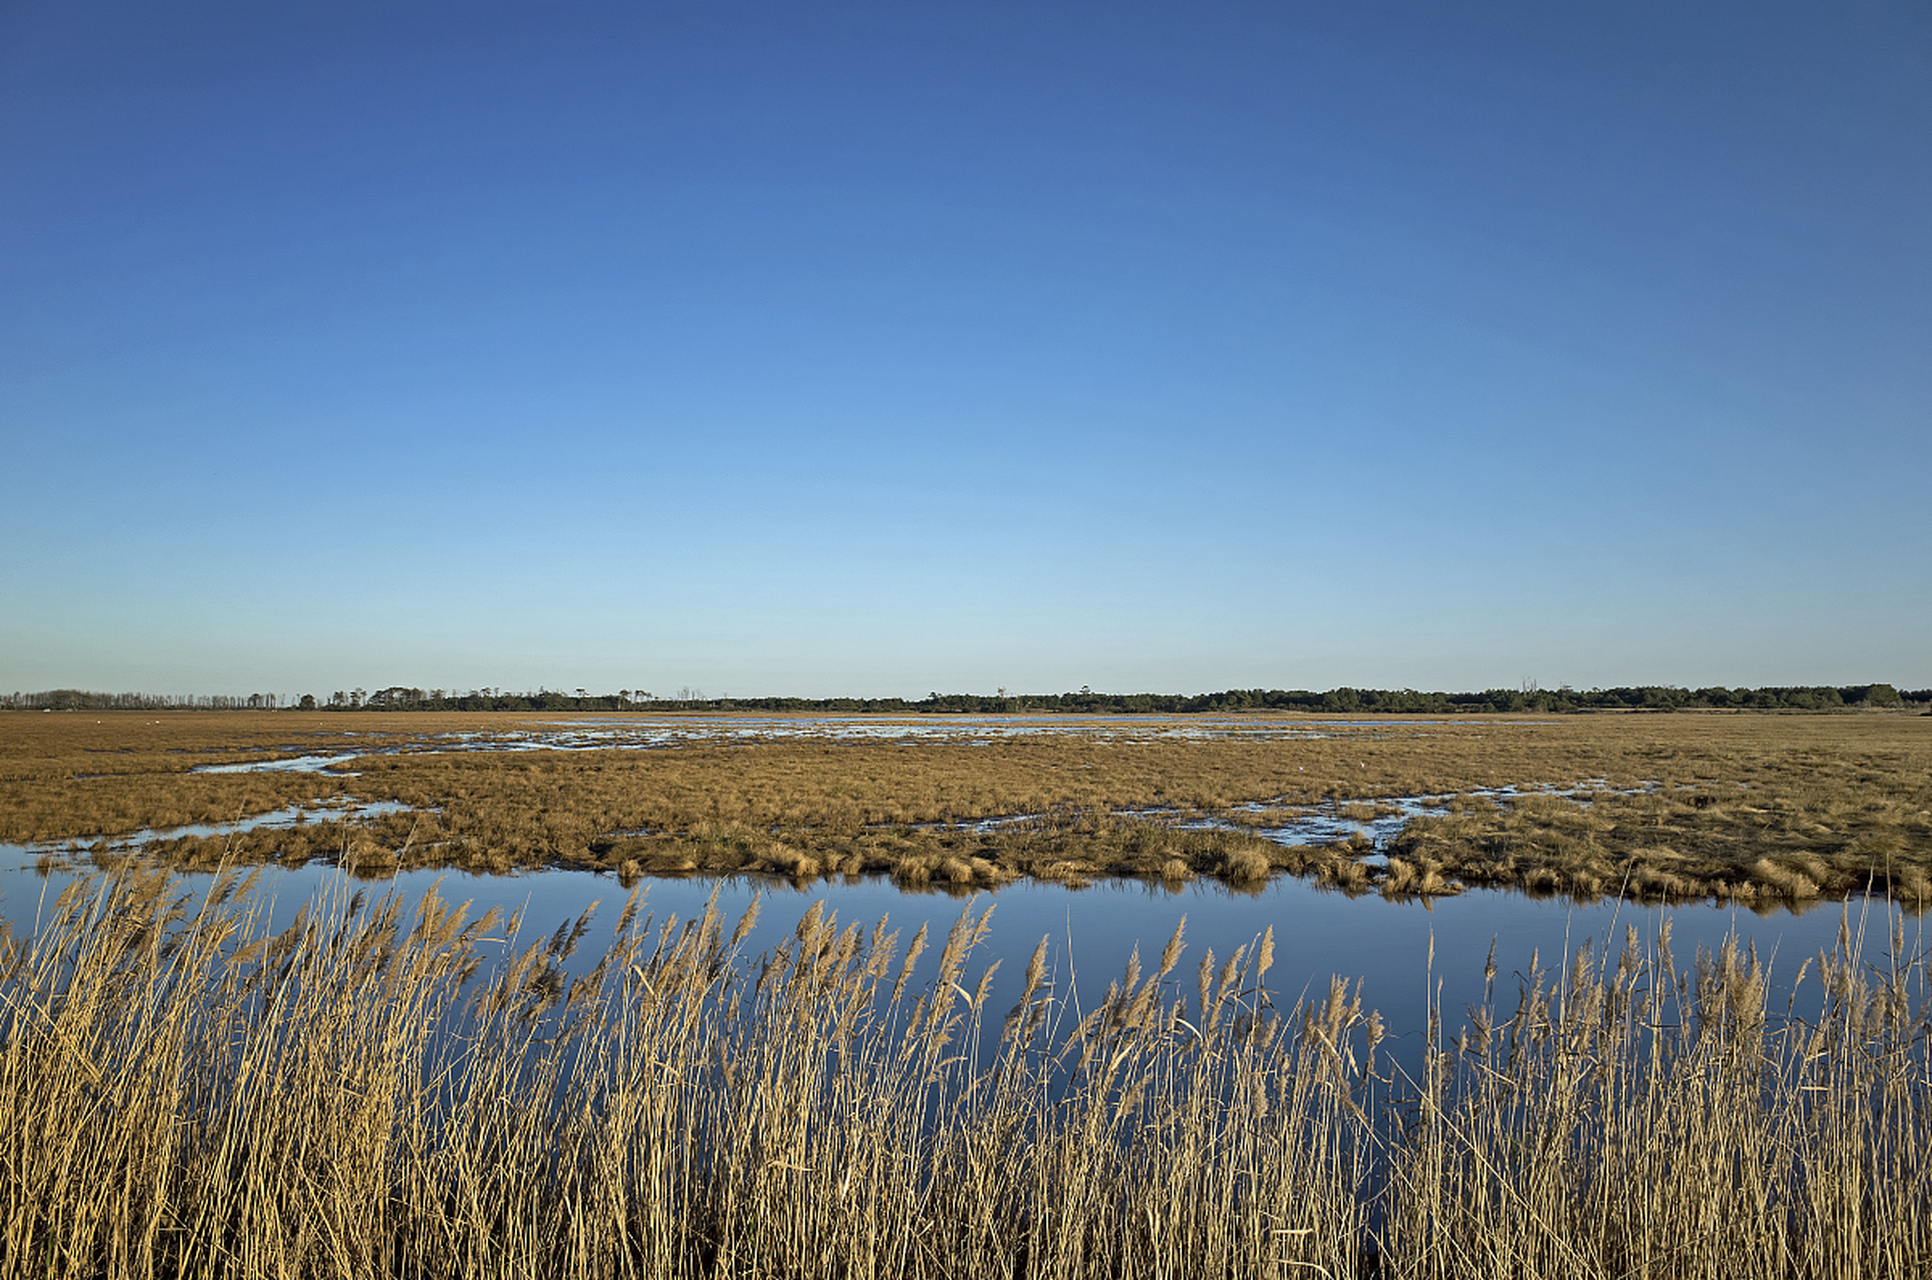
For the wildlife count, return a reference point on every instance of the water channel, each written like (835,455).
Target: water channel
(1091,932)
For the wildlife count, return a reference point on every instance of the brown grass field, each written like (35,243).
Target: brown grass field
(374,1093)
(1768,810)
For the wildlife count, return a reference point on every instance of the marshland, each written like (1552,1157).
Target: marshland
(1744,808)
(464,995)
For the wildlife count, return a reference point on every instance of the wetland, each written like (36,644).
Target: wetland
(834,996)
(1762,810)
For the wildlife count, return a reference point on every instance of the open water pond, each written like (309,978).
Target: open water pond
(1091,932)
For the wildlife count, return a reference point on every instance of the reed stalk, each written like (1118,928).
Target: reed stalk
(422,1092)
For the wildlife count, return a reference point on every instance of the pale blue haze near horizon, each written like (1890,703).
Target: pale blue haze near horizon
(878,349)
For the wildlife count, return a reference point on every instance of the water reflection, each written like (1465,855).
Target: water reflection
(1092,931)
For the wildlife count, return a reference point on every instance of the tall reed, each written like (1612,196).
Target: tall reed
(374,1091)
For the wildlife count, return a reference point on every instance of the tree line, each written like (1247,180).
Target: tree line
(82,700)
(1525,699)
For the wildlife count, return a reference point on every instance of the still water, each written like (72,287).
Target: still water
(1091,932)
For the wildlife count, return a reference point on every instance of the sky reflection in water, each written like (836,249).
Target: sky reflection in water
(1092,931)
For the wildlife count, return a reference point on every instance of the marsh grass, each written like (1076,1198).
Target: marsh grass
(1771,811)
(374,1092)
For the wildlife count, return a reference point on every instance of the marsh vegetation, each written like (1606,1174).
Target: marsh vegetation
(381,1085)
(380,1091)
(1760,809)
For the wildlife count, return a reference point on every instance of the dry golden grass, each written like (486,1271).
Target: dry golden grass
(79,776)
(370,1093)
(1763,809)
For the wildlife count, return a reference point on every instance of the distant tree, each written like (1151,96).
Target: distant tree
(308,702)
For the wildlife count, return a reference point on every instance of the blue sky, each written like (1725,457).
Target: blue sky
(878,349)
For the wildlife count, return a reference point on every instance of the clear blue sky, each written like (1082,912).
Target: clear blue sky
(884,348)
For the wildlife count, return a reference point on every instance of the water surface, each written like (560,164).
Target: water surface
(1405,955)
